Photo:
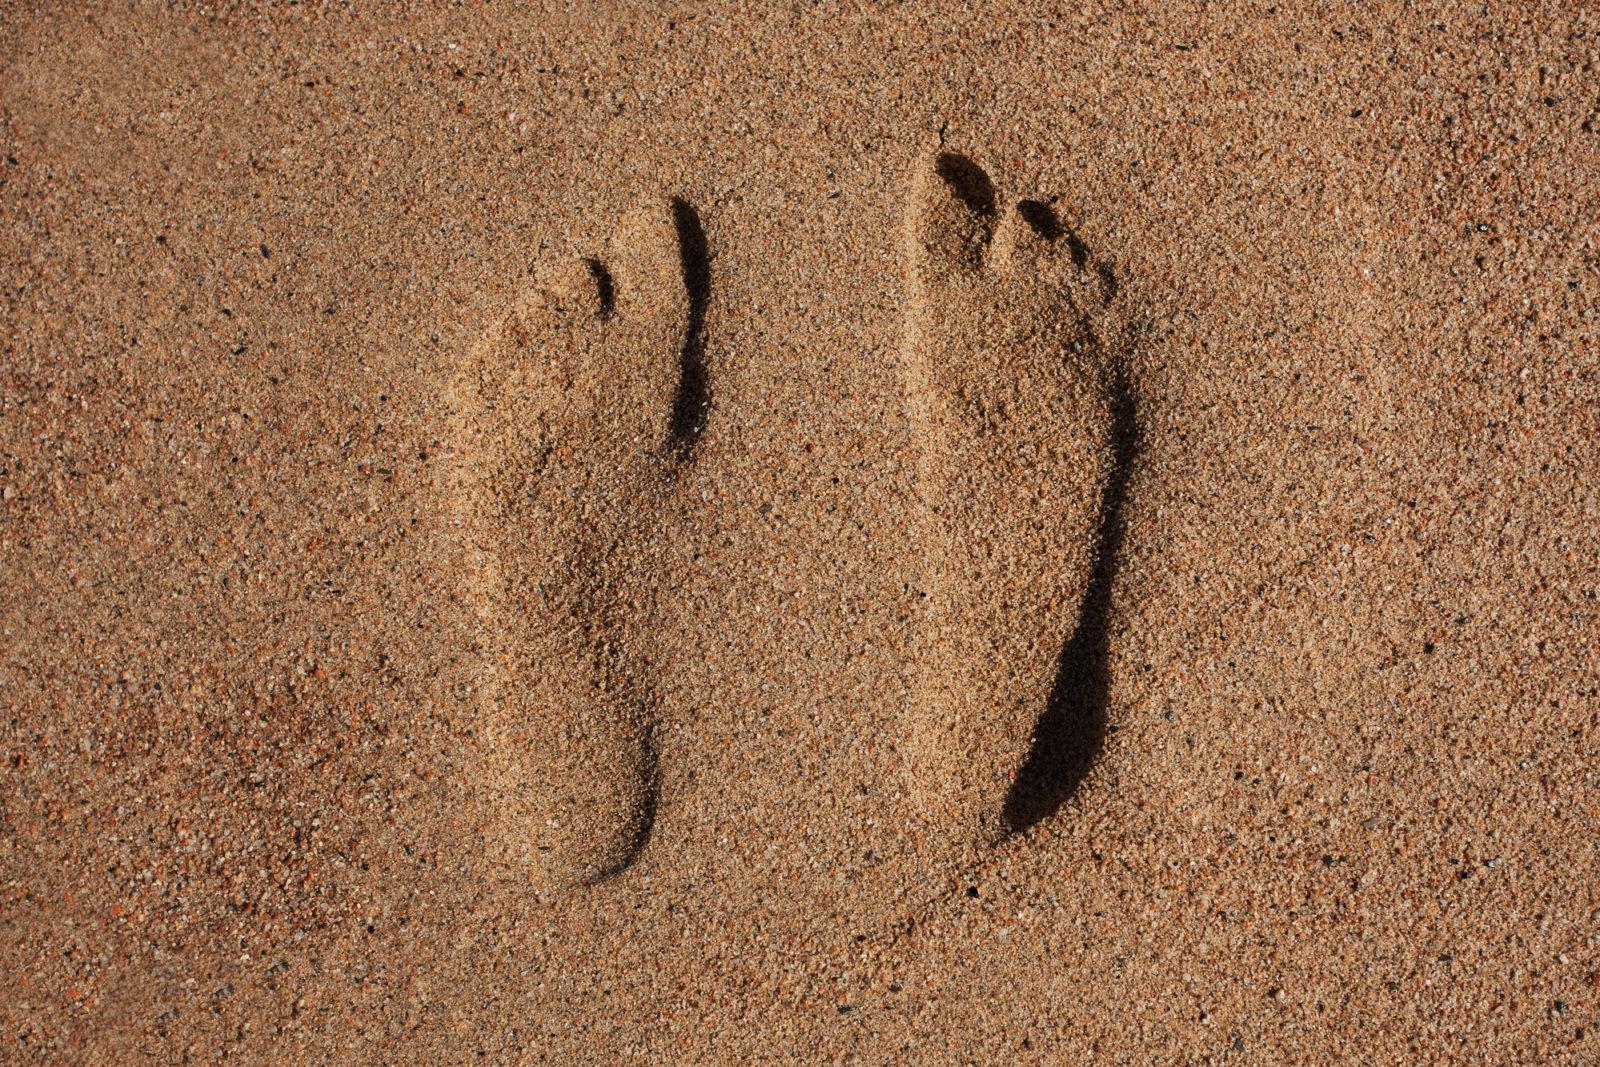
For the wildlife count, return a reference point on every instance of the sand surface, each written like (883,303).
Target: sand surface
(295,623)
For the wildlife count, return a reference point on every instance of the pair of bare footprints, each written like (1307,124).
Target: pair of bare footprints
(580,410)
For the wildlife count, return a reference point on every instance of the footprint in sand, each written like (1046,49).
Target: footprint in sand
(1015,403)
(577,411)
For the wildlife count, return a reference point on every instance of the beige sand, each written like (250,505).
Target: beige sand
(343,721)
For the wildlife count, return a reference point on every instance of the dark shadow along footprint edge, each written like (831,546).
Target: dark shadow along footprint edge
(1071,732)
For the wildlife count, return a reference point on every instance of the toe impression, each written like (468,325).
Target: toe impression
(950,220)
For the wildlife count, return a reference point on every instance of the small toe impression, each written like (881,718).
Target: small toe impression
(1031,240)
(950,218)
(1028,234)
(1041,218)
(605,288)
(572,288)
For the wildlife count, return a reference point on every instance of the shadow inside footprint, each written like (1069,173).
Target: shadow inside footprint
(605,285)
(690,405)
(969,181)
(1072,729)
(646,823)
(1042,218)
